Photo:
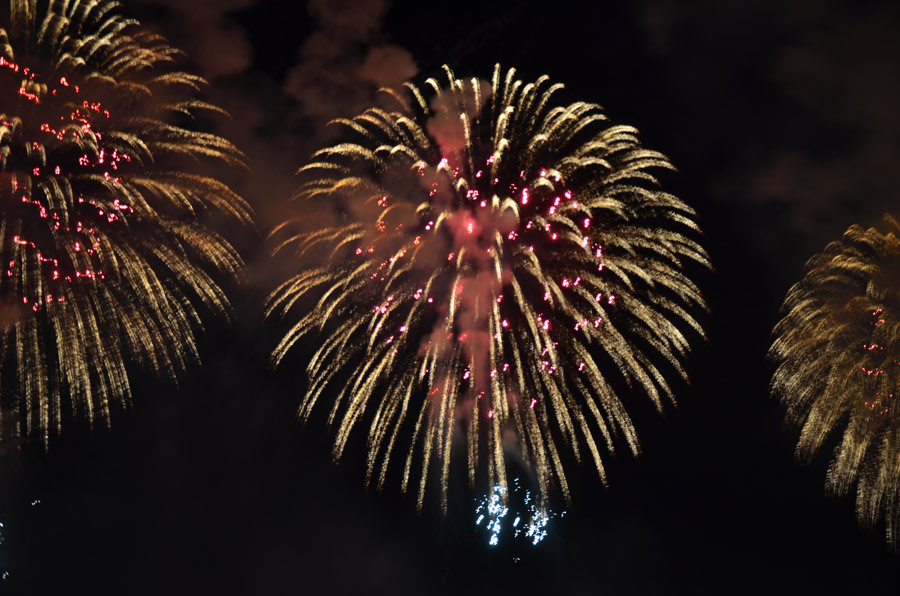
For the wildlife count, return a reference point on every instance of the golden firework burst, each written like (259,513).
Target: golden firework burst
(104,255)
(497,266)
(837,349)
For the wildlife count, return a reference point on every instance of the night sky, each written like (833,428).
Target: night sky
(781,116)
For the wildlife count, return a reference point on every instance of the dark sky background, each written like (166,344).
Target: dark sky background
(782,118)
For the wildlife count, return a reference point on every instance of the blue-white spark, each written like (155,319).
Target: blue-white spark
(529,524)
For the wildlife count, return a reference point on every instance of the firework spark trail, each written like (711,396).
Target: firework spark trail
(501,266)
(104,258)
(837,349)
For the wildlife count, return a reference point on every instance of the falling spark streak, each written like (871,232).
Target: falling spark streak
(837,349)
(104,258)
(505,200)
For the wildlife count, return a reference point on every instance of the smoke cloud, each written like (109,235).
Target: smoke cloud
(209,35)
(345,60)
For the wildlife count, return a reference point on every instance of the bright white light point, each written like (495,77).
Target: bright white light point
(587,222)
(581,366)
(402,328)
(533,402)
(505,323)
(431,300)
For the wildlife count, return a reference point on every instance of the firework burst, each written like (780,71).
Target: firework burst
(500,267)
(837,350)
(104,257)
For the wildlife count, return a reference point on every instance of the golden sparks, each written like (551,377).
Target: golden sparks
(837,350)
(104,256)
(497,268)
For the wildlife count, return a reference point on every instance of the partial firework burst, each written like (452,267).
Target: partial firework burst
(498,267)
(837,351)
(104,257)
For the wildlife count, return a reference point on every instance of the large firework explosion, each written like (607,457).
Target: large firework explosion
(104,256)
(497,266)
(837,351)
